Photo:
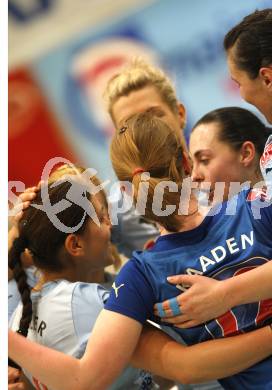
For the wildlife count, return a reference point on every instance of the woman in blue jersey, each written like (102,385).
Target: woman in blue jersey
(217,245)
(234,240)
(225,146)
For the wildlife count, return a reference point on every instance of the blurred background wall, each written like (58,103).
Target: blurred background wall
(62,52)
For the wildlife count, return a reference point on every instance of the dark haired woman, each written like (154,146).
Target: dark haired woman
(249,55)
(63,307)
(226,145)
(249,52)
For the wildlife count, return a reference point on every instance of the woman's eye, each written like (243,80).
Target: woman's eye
(204,161)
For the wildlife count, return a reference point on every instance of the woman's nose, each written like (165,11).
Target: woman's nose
(196,174)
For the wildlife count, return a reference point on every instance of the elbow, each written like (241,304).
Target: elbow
(79,386)
(191,377)
(186,380)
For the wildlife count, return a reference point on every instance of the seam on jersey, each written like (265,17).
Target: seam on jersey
(129,313)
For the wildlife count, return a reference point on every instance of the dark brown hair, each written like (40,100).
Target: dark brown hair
(251,40)
(237,125)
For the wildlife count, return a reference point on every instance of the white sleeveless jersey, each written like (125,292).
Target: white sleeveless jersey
(63,315)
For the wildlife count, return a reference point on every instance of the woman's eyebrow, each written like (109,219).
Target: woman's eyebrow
(199,152)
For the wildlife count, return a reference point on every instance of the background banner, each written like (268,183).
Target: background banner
(55,99)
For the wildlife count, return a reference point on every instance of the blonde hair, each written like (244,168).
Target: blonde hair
(146,143)
(137,75)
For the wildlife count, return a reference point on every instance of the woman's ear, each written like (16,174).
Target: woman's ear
(266,76)
(182,115)
(247,153)
(74,245)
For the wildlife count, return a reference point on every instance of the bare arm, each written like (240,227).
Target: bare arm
(158,353)
(252,286)
(109,349)
(208,298)
(111,345)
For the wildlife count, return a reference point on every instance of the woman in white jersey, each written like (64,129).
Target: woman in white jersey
(73,288)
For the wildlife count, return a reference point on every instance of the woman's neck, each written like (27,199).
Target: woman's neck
(256,177)
(253,173)
(190,221)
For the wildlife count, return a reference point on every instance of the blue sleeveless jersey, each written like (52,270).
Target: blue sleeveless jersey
(235,239)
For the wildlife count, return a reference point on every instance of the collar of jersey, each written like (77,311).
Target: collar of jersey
(189,237)
(193,236)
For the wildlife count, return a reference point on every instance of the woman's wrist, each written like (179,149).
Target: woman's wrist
(228,293)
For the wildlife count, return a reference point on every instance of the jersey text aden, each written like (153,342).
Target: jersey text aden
(231,246)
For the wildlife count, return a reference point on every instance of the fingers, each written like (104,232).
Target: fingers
(182,318)
(168,308)
(163,309)
(188,324)
(24,201)
(182,321)
(175,307)
(30,189)
(30,192)
(17,386)
(27,196)
(185,280)
(13,374)
(18,216)
(166,313)
(38,187)
(18,210)
(160,310)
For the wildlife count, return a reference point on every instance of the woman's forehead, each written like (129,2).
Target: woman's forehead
(204,136)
